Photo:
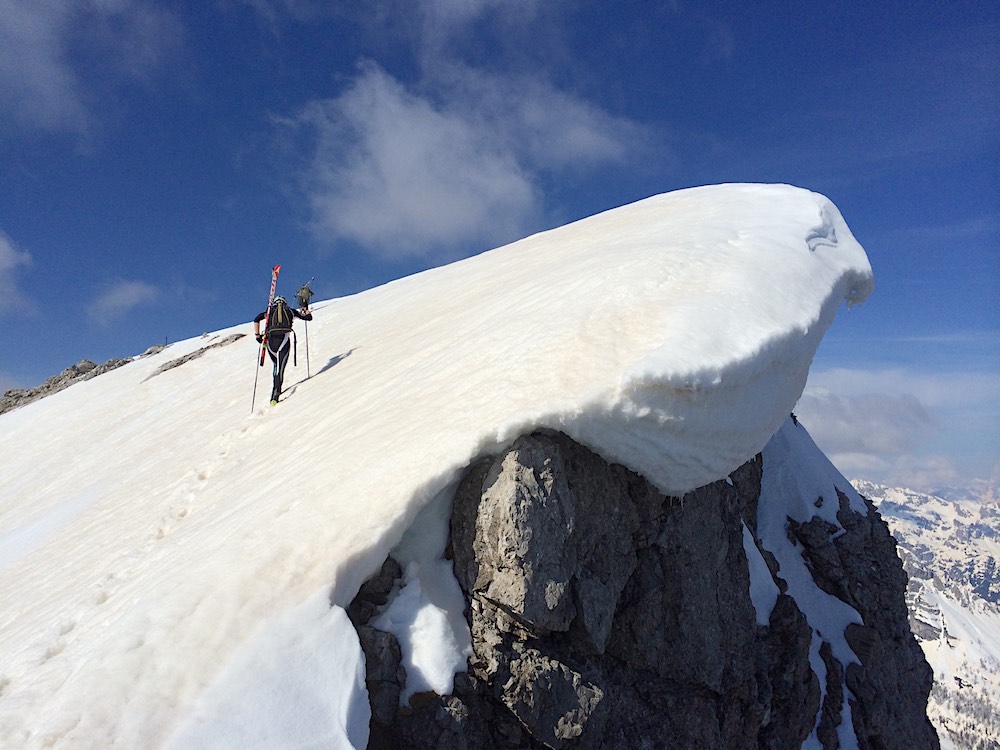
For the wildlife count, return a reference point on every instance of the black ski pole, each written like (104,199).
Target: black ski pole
(254,399)
(306,324)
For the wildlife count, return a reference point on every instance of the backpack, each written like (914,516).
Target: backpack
(279,319)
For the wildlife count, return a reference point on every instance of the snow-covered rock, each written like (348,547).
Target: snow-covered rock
(168,559)
(83,370)
(604,614)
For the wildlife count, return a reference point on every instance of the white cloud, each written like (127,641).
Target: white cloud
(926,473)
(402,177)
(58,58)
(984,226)
(547,128)
(458,13)
(457,168)
(919,430)
(933,389)
(11,259)
(454,159)
(444,24)
(40,89)
(119,299)
(868,423)
(273,11)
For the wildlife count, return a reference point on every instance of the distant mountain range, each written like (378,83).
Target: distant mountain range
(950,549)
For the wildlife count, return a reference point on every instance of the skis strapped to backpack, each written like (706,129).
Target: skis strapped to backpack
(267,318)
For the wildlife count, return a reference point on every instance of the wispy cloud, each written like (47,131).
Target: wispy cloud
(401,176)
(301,10)
(980,339)
(986,226)
(936,390)
(543,127)
(58,58)
(119,299)
(873,423)
(444,24)
(456,159)
(920,430)
(39,88)
(11,261)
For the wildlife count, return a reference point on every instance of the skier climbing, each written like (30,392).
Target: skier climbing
(278,330)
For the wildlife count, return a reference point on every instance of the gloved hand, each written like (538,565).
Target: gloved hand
(260,339)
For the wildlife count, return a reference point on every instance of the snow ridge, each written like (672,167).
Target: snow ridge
(180,537)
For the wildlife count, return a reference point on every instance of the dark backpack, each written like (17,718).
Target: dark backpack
(279,319)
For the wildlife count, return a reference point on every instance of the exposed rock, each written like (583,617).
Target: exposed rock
(553,701)
(155,349)
(385,675)
(543,559)
(195,354)
(374,592)
(789,689)
(82,370)
(606,615)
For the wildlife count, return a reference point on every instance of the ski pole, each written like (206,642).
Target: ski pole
(306,324)
(253,400)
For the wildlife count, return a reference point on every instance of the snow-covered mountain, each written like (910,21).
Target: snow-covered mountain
(950,550)
(174,568)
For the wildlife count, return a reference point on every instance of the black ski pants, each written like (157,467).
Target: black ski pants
(279,346)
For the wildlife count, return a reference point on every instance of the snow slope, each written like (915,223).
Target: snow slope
(168,558)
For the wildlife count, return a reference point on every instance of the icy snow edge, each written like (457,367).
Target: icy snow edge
(742,281)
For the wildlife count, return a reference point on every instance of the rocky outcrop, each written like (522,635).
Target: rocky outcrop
(82,370)
(861,567)
(226,341)
(85,370)
(606,615)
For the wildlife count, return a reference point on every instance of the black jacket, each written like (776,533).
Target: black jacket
(281,320)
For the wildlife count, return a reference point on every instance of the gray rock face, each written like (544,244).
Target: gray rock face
(543,557)
(85,370)
(606,615)
(196,353)
(861,568)
(384,673)
(82,370)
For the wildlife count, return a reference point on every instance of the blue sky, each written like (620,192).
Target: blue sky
(157,158)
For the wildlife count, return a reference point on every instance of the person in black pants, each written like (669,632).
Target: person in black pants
(279,337)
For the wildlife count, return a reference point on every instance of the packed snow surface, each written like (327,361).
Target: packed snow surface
(168,558)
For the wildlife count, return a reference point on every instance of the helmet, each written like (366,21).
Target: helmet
(280,300)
